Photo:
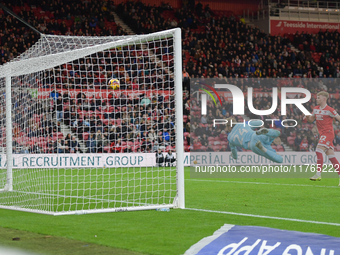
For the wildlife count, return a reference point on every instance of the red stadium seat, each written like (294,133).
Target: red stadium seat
(211,142)
(118,121)
(41,139)
(42,143)
(280,148)
(137,143)
(85,135)
(290,140)
(60,135)
(224,143)
(197,146)
(25,139)
(20,140)
(34,139)
(216,147)
(203,148)
(134,148)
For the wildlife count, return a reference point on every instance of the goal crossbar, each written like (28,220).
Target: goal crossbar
(28,63)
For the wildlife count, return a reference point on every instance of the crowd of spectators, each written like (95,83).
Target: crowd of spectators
(81,18)
(215,45)
(106,124)
(120,123)
(31,121)
(221,46)
(324,48)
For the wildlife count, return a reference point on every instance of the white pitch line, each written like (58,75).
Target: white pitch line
(79,197)
(266,183)
(265,217)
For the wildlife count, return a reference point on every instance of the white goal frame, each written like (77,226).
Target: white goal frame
(31,62)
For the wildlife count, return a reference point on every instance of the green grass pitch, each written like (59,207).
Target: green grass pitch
(154,232)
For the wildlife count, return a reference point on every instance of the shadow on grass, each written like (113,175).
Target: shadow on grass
(52,245)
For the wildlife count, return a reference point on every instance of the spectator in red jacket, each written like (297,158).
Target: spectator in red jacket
(304,144)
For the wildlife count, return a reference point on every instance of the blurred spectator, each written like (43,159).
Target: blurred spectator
(99,141)
(62,146)
(159,158)
(209,149)
(223,136)
(204,140)
(166,135)
(337,139)
(169,158)
(91,144)
(304,144)
(74,145)
(128,149)
(145,101)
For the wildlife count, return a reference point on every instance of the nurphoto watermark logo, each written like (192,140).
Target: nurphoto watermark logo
(238,103)
(255,122)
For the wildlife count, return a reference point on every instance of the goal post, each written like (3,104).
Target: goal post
(6,89)
(179,117)
(9,179)
(70,144)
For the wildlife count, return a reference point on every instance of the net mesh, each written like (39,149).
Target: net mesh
(80,145)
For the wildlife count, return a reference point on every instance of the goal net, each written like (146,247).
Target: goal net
(71,144)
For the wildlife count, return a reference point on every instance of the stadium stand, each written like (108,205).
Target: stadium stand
(215,45)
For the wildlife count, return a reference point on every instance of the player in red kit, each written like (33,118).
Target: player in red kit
(324,115)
